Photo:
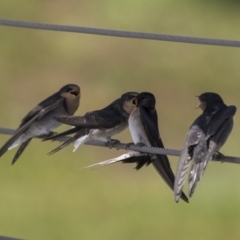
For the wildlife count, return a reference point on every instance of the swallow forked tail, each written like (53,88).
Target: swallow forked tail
(63,145)
(195,176)
(20,150)
(180,178)
(121,158)
(54,136)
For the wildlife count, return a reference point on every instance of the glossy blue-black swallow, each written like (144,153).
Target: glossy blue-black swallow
(205,137)
(143,126)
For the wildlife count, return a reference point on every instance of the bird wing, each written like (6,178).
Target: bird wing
(161,163)
(220,126)
(43,108)
(81,132)
(96,119)
(64,133)
(149,121)
(218,120)
(36,113)
(192,139)
(218,129)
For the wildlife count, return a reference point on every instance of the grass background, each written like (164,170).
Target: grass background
(45,197)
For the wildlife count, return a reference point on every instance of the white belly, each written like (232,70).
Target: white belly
(136,129)
(99,134)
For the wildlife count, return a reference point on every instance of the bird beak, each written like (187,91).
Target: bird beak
(201,105)
(134,101)
(75,92)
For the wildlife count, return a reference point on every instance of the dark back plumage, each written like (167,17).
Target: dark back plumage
(66,98)
(146,103)
(206,135)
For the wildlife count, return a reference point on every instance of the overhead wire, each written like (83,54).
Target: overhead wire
(119,33)
(124,146)
(127,34)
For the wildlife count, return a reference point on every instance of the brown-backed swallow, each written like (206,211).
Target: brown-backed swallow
(206,136)
(39,121)
(143,125)
(98,125)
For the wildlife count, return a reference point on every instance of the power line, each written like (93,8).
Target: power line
(118,33)
(151,150)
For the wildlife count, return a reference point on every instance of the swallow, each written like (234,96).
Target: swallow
(97,125)
(39,121)
(205,137)
(143,126)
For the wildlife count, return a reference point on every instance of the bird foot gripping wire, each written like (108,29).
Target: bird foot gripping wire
(128,145)
(218,157)
(111,143)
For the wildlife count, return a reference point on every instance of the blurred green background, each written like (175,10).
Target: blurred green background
(44,197)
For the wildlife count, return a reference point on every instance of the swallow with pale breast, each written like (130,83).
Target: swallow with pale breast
(143,125)
(39,121)
(205,137)
(97,125)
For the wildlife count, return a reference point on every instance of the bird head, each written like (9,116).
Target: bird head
(145,99)
(208,98)
(129,101)
(72,94)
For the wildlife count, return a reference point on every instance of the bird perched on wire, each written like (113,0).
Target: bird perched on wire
(206,136)
(40,122)
(143,125)
(97,125)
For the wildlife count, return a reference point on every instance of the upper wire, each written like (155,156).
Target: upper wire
(118,33)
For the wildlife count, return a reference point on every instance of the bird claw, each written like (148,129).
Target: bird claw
(217,156)
(111,143)
(129,145)
(140,144)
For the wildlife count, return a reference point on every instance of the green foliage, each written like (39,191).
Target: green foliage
(46,197)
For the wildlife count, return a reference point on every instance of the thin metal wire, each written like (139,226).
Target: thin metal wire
(152,150)
(118,33)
